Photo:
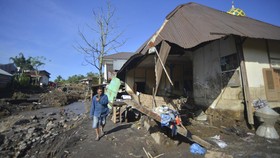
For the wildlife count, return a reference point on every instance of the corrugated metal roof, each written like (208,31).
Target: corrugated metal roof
(121,55)
(10,68)
(192,24)
(2,72)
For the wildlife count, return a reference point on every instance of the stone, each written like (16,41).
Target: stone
(75,118)
(147,125)
(2,139)
(34,117)
(201,117)
(31,130)
(22,146)
(51,114)
(22,121)
(157,137)
(50,126)
(50,119)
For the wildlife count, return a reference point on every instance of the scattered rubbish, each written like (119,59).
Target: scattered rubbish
(258,104)
(197,149)
(218,141)
(126,97)
(165,119)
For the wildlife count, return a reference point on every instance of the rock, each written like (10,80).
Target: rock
(51,114)
(2,139)
(201,117)
(157,137)
(50,126)
(50,119)
(34,117)
(22,146)
(176,142)
(76,118)
(47,135)
(31,130)
(22,121)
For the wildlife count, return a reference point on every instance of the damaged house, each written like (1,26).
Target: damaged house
(219,61)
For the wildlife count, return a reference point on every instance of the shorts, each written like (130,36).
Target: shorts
(98,121)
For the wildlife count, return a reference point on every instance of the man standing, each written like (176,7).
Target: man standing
(98,111)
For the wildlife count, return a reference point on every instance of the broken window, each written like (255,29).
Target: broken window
(229,62)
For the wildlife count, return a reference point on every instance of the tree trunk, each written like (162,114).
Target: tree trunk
(100,80)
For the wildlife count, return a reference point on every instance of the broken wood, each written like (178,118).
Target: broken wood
(159,63)
(181,130)
(154,100)
(164,68)
(149,155)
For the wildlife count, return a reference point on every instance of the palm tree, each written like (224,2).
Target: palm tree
(21,62)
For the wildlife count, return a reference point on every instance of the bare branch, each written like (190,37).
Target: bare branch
(106,38)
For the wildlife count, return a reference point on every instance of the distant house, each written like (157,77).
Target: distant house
(44,76)
(86,81)
(10,68)
(5,78)
(113,63)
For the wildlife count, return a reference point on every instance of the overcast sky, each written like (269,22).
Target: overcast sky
(49,28)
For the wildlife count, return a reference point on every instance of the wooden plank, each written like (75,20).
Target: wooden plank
(159,64)
(181,130)
(248,101)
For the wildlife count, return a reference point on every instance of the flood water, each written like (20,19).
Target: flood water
(76,107)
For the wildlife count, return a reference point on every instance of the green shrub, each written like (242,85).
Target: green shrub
(23,80)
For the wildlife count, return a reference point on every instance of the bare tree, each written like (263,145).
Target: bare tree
(106,41)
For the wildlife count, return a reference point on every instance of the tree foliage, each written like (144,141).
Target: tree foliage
(37,62)
(59,79)
(77,78)
(21,62)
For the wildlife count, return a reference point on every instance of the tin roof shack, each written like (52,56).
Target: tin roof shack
(219,60)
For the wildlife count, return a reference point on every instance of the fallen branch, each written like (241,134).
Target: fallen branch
(149,154)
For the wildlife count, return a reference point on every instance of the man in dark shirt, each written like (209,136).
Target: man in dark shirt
(98,111)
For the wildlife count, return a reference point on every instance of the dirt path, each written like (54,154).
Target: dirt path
(122,140)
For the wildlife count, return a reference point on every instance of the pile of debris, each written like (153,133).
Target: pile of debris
(20,134)
(59,98)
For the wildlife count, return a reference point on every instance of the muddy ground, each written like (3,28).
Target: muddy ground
(66,132)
